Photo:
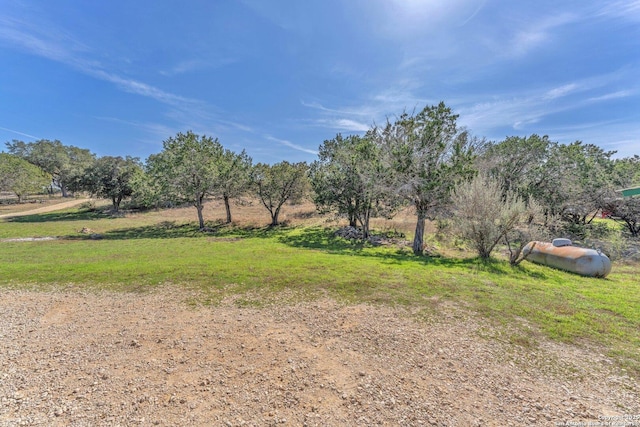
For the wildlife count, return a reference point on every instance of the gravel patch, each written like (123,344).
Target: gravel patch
(107,359)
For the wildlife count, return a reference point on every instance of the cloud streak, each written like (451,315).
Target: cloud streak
(291,145)
(377,107)
(143,89)
(44,41)
(19,133)
(520,112)
(49,42)
(161,130)
(613,95)
(194,65)
(625,9)
(533,35)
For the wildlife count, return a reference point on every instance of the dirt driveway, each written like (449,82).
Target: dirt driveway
(45,209)
(86,359)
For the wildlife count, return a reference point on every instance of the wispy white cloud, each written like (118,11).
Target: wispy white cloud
(57,45)
(529,113)
(361,111)
(291,145)
(19,133)
(398,96)
(533,35)
(143,89)
(561,91)
(341,124)
(481,5)
(159,132)
(183,67)
(238,126)
(613,95)
(523,124)
(618,135)
(375,108)
(196,64)
(521,109)
(515,112)
(625,9)
(45,41)
(351,119)
(408,18)
(162,131)
(351,125)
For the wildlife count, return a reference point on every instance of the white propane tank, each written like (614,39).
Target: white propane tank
(583,261)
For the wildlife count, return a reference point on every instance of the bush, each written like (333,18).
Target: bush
(485,216)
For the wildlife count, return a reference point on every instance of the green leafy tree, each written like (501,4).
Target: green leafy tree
(111,177)
(65,163)
(276,184)
(573,180)
(187,170)
(626,172)
(429,156)
(516,162)
(147,191)
(235,177)
(21,177)
(349,179)
(569,181)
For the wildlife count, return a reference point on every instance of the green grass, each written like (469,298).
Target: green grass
(263,264)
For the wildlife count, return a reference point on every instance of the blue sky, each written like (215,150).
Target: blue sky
(278,77)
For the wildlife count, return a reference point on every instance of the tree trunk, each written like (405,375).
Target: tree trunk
(631,225)
(353,215)
(274,217)
(365,229)
(227,207)
(200,217)
(115,204)
(63,189)
(366,215)
(418,239)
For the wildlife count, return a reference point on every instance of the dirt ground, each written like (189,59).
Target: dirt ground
(71,358)
(56,206)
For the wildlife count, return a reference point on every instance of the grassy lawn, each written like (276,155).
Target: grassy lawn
(257,265)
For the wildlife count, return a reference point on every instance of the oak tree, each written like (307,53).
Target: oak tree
(276,184)
(21,177)
(65,163)
(187,170)
(429,156)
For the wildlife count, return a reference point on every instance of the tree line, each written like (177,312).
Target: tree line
(189,170)
(493,192)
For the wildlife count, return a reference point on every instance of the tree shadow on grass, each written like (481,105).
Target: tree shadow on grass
(173,230)
(324,239)
(313,238)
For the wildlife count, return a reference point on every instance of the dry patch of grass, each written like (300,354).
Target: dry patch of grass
(9,204)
